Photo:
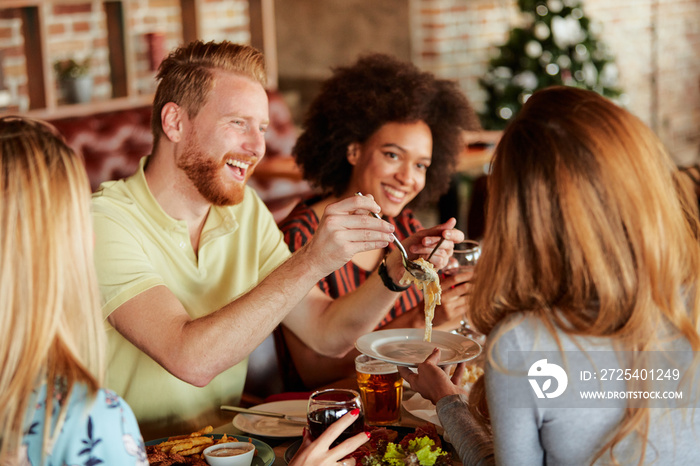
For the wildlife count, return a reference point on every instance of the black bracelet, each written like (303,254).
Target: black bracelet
(386,279)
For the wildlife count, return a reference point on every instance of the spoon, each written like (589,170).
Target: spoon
(410,266)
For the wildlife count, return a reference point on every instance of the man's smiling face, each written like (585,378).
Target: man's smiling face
(225,141)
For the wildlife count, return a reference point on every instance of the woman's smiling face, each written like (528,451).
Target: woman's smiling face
(392,164)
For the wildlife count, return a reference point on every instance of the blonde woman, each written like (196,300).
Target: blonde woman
(52,409)
(591,259)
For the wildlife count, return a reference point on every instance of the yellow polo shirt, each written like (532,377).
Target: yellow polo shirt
(139,246)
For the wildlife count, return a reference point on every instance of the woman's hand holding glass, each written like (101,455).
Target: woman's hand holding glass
(319,452)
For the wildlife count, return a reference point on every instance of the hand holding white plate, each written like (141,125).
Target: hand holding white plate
(406,347)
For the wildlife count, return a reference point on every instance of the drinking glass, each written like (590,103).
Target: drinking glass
(465,256)
(327,406)
(381,388)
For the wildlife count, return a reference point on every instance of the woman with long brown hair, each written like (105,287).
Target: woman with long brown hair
(52,409)
(590,263)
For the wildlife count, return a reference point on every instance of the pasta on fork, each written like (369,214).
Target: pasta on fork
(431,292)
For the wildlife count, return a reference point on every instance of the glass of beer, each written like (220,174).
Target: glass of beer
(327,406)
(381,388)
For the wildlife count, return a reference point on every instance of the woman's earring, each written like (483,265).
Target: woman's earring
(352,154)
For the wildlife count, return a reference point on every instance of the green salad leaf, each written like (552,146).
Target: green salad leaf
(394,454)
(420,451)
(423,448)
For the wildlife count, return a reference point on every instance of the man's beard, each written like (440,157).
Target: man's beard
(205,174)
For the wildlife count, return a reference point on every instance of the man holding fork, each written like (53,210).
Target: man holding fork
(193,270)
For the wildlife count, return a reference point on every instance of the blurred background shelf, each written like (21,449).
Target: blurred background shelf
(90,108)
(122,45)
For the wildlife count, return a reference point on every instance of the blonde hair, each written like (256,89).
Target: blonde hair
(589,228)
(186,75)
(50,327)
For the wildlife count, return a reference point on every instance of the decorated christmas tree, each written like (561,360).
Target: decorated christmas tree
(557,45)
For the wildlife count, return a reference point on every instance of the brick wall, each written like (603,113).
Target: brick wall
(77,29)
(151,17)
(656,44)
(13,66)
(454,39)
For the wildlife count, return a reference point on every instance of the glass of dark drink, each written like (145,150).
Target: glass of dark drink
(327,406)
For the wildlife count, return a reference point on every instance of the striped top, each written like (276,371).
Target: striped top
(301,224)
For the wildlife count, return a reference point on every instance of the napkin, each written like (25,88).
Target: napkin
(421,408)
(424,409)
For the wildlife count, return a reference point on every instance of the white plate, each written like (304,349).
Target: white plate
(406,347)
(271,426)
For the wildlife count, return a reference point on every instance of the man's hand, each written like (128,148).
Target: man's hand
(431,381)
(346,229)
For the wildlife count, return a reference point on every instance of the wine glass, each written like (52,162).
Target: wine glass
(327,406)
(464,258)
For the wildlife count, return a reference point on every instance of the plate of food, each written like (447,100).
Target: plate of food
(187,449)
(407,347)
(272,426)
(391,446)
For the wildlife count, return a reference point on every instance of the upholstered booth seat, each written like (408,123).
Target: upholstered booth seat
(111,144)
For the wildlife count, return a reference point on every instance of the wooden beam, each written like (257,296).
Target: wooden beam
(264,37)
(190,21)
(40,86)
(118,68)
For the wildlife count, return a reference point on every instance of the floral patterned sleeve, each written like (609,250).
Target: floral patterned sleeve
(103,431)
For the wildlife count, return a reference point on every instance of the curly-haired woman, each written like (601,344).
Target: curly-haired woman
(382,127)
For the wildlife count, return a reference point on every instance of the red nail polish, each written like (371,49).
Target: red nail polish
(369,436)
(355,411)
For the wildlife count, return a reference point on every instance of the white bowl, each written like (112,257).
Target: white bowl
(242,459)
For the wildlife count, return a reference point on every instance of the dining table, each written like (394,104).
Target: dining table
(281,445)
